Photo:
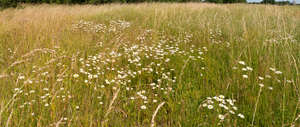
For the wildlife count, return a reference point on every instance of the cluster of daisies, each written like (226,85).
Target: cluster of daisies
(225,107)
(145,74)
(279,38)
(245,69)
(273,76)
(92,27)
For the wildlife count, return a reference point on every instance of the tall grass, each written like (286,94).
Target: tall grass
(158,64)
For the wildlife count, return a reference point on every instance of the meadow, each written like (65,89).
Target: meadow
(150,64)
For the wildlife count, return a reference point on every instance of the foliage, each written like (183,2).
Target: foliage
(8,3)
(227,1)
(268,2)
(13,3)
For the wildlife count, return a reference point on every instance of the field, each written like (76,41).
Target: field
(155,64)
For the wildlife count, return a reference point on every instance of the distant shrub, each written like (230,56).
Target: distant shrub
(283,2)
(8,3)
(227,1)
(268,2)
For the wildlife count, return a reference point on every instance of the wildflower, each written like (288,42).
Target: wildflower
(75,75)
(143,107)
(167,60)
(106,81)
(17,89)
(241,115)
(268,76)
(242,62)
(210,107)
(272,69)
(235,108)
(278,81)
(210,101)
(245,76)
(21,77)
(221,117)
(113,81)
(28,81)
(260,78)
(278,72)
(31,91)
(90,76)
(244,69)
(249,68)
(261,85)
(152,84)
(270,88)
(59,80)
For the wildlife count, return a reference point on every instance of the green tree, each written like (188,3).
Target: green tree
(215,1)
(268,2)
(8,3)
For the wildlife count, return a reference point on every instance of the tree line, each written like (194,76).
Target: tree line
(14,3)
